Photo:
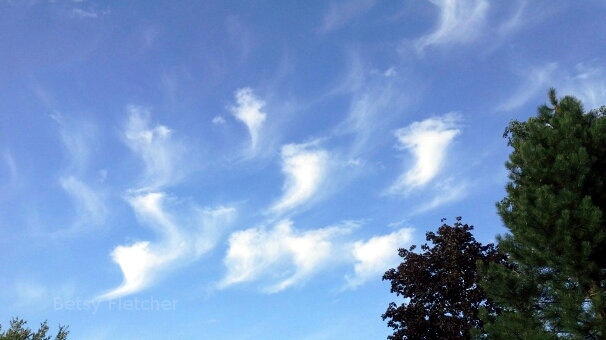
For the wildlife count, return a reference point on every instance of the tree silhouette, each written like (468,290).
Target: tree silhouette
(440,286)
(19,331)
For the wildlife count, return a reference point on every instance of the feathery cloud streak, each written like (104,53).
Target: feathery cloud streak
(584,81)
(77,138)
(461,21)
(183,235)
(341,13)
(428,141)
(284,257)
(305,168)
(537,80)
(160,154)
(142,262)
(283,254)
(375,256)
(248,111)
(91,207)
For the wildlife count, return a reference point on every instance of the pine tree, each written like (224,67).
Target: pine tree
(18,330)
(555,212)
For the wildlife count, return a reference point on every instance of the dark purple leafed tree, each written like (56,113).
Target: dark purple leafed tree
(439,286)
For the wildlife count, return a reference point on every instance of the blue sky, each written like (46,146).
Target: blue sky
(247,170)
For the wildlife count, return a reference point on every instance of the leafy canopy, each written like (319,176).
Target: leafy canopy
(440,286)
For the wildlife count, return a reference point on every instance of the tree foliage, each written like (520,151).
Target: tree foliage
(554,210)
(18,330)
(440,286)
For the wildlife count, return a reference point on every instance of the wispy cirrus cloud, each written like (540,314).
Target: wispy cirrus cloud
(538,79)
(460,21)
(91,11)
(584,81)
(428,141)
(28,293)
(218,120)
(184,233)
(11,167)
(305,167)
(377,98)
(445,191)
(161,155)
(78,139)
(90,203)
(376,255)
(249,111)
(182,238)
(341,13)
(283,256)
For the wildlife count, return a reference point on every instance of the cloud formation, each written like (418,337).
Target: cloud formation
(428,141)
(537,80)
(444,192)
(78,138)
(305,168)
(183,234)
(343,12)
(248,111)
(180,241)
(461,21)
(218,120)
(284,255)
(90,205)
(376,255)
(377,98)
(160,154)
(584,81)
(11,170)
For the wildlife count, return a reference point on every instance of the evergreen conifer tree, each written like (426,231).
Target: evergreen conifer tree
(555,212)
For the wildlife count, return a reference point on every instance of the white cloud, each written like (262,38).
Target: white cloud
(92,12)
(218,120)
(181,240)
(77,138)
(461,21)
(248,111)
(137,262)
(446,191)
(343,12)
(28,293)
(160,154)
(377,255)
(368,111)
(84,14)
(377,98)
(305,168)
(287,256)
(584,81)
(212,225)
(11,166)
(587,83)
(91,205)
(428,141)
(514,22)
(32,295)
(283,257)
(538,79)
